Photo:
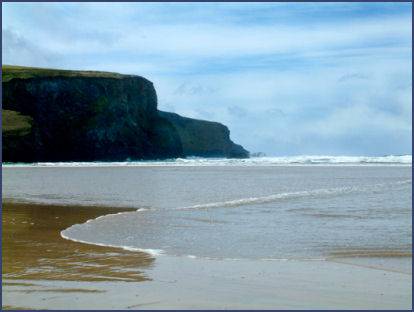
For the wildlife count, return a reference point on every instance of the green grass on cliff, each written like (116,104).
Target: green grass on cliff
(14,123)
(10,71)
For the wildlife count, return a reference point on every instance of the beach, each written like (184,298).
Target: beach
(204,156)
(34,249)
(210,237)
(41,270)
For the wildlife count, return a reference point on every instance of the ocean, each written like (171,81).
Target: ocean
(268,209)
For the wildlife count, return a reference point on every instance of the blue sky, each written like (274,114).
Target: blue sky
(286,78)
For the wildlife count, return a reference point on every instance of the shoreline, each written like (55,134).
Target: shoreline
(42,203)
(50,272)
(296,160)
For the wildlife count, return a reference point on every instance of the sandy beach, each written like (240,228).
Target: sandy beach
(207,156)
(41,270)
(33,248)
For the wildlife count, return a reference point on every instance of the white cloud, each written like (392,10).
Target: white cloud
(282,80)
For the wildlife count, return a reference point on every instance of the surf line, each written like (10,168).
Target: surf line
(337,191)
(233,204)
(152,252)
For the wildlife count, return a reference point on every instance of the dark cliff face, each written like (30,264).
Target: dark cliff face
(204,138)
(86,118)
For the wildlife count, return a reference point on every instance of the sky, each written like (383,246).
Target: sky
(286,78)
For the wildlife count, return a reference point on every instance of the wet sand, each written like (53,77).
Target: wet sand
(33,248)
(41,270)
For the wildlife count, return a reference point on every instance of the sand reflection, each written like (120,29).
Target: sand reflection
(34,250)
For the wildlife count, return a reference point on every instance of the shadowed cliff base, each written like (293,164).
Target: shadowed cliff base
(64,115)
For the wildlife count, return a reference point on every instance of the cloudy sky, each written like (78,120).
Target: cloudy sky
(286,78)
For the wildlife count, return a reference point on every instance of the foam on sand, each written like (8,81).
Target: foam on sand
(152,252)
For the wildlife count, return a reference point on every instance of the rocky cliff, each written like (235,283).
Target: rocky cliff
(56,115)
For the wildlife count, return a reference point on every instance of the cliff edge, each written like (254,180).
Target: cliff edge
(62,115)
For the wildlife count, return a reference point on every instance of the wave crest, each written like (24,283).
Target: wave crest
(313,193)
(254,161)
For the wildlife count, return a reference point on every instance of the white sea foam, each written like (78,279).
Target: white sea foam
(267,199)
(287,195)
(254,161)
(236,203)
(115,214)
(152,252)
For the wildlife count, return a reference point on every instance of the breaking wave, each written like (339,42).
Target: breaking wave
(254,161)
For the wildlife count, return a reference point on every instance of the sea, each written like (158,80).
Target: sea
(265,208)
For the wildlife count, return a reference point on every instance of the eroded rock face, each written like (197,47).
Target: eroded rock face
(103,118)
(204,138)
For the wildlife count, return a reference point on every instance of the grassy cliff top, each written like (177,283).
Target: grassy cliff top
(11,71)
(15,123)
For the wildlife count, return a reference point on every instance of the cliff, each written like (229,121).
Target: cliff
(204,138)
(59,115)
